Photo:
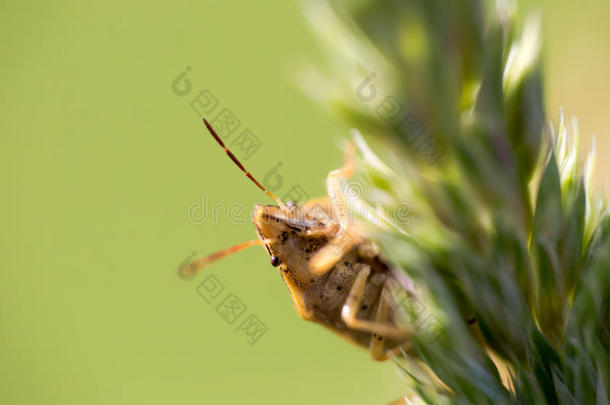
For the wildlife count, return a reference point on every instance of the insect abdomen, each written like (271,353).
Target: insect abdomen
(330,293)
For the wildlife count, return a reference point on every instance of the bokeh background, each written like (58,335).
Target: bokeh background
(100,161)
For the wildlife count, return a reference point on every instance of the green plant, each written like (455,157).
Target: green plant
(511,230)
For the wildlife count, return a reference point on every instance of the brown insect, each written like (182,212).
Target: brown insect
(336,276)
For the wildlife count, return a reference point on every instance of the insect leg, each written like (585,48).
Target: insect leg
(332,252)
(352,303)
(382,318)
(342,242)
(377,340)
(318,203)
(333,186)
(320,209)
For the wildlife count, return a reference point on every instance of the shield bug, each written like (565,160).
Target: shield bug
(336,277)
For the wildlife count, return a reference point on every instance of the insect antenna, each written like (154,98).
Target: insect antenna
(199,264)
(240,165)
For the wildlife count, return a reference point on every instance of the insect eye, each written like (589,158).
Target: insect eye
(275,261)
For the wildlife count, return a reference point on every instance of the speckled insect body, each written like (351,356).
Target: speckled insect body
(336,277)
(294,238)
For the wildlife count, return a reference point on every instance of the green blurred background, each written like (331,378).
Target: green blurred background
(100,161)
